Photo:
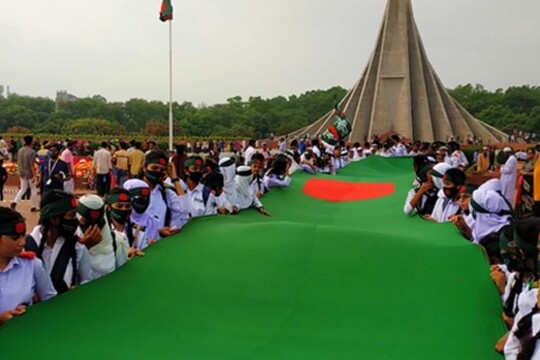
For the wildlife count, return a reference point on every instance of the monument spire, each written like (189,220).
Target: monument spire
(400,92)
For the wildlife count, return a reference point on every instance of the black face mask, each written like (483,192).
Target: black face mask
(120,216)
(153,177)
(450,192)
(100,223)
(195,176)
(513,261)
(140,204)
(68,227)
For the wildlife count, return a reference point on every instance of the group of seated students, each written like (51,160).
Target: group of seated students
(79,240)
(486,218)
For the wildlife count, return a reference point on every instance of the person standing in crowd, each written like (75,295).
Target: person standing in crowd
(27,174)
(526,183)
(67,157)
(509,175)
(21,274)
(136,161)
(249,152)
(483,163)
(120,160)
(66,260)
(3,179)
(54,172)
(282,146)
(102,166)
(178,160)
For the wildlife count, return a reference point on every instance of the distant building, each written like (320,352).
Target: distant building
(64,96)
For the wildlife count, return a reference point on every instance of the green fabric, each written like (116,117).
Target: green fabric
(317,280)
(166,12)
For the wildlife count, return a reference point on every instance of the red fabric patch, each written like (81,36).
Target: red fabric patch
(341,191)
(20,228)
(145,192)
(162,161)
(30,255)
(94,214)
(198,162)
(123,197)
(74,203)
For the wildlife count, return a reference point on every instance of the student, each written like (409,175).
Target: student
(66,260)
(448,203)
(509,175)
(246,196)
(54,172)
(520,254)
(422,198)
(118,210)
(21,274)
(107,252)
(278,175)
(216,201)
(170,207)
(257,184)
(198,196)
(227,168)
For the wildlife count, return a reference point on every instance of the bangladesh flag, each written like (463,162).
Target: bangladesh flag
(166,12)
(337,272)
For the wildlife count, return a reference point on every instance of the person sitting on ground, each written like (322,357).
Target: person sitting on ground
(278,175)
(216,201)
(422,197)
(65,257)
(21,274)
(227,167)
(448,203)
(246,196)
(519,251)
(257,184)
(326,164)
(308,161)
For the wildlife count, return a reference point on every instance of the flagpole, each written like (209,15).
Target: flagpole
(170,89)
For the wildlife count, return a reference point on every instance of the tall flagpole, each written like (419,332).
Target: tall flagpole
(170,89)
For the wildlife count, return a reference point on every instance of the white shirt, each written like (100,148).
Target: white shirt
(20,280)
(178,205)
(250,151)
(196,201)
(84,266)
(444,208)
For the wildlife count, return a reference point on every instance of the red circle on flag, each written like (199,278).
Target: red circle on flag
(341,191)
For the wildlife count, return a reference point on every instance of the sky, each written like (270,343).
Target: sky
(224,48)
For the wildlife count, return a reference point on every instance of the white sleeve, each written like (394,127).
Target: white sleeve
(44,285)
(84,267)
(408,209)
(180,203)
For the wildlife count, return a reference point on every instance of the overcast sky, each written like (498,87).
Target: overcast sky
(223,48)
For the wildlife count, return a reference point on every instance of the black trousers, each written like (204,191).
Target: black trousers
(103,184)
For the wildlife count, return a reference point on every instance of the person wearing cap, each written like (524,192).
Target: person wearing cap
(21,274)
(509,175)
(246,196)
(483,162)
(278,175)
(66,259)
(519,251)
(146,224)
(227,168)
(107,252)
(170,207)
(118,213)
(447,204)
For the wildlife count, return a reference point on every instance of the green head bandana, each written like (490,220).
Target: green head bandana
(118,196)
(58,207)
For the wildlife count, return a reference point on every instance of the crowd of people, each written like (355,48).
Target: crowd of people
(156,193)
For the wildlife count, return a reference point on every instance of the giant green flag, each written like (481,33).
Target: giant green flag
(338,272)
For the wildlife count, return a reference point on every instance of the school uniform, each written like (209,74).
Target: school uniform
(508,178)
(20,280)
(526,301)
(257,184)
(227,168)
(274,181)
(49,256)
(445,208)
(426,205)
(178,206)
(246,195)
(199,206)
(536,330)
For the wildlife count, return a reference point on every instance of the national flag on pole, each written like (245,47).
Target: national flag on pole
(166,12)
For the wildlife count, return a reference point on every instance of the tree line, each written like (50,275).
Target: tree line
(515,107)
